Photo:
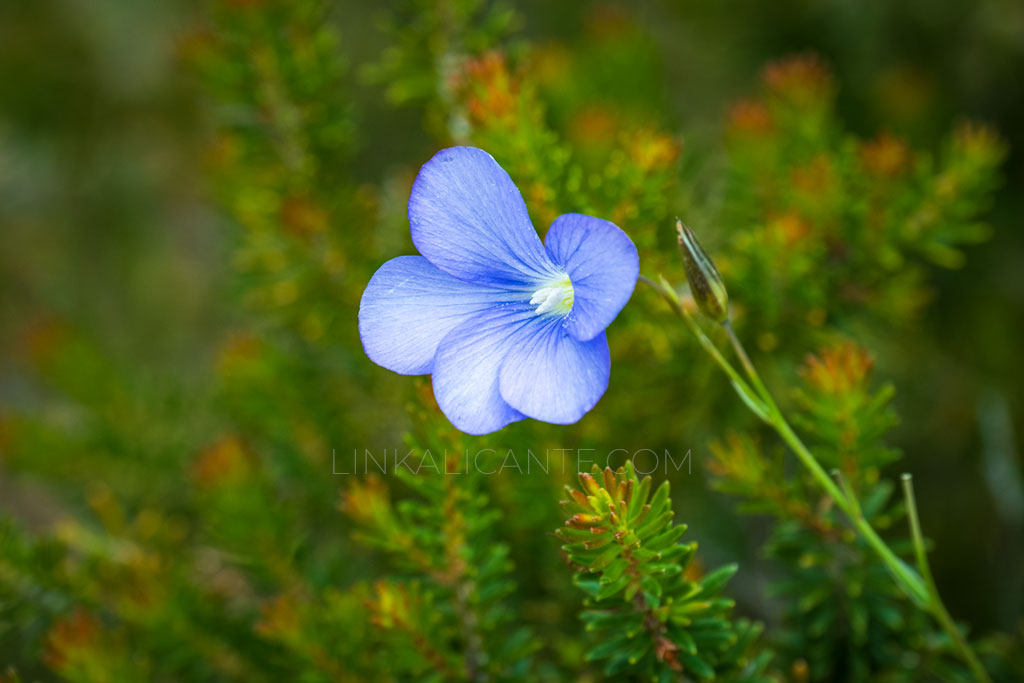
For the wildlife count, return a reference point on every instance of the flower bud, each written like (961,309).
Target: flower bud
(705,282)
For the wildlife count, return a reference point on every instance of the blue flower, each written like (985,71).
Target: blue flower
(508,327)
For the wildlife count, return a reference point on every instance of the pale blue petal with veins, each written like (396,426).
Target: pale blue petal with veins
(508,327)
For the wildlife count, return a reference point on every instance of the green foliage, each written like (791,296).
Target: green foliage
(193,197)
(284,133)
(805,201)
(651,615)
(429,42)
(448,608)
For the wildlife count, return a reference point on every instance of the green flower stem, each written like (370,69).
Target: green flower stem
(745,360)
(851,495)
(921,590)
(936,606)
(746,393)
(905,576)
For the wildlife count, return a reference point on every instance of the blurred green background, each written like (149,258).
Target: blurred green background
(192,196)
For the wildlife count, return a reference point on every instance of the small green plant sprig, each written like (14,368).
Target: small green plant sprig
(443,613)
(653,615)
(711,299)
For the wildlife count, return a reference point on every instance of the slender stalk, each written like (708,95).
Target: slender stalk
(669,294)
(741,353)
(915,528)
(851,495)
(936,606)
(921,588)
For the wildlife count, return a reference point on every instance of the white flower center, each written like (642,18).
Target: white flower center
(556,297)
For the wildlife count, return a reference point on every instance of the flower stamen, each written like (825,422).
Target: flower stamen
(556,297)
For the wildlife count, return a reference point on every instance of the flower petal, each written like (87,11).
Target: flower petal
(409,306)
(467,365)
(603,265)
(550,376)
(468,219)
